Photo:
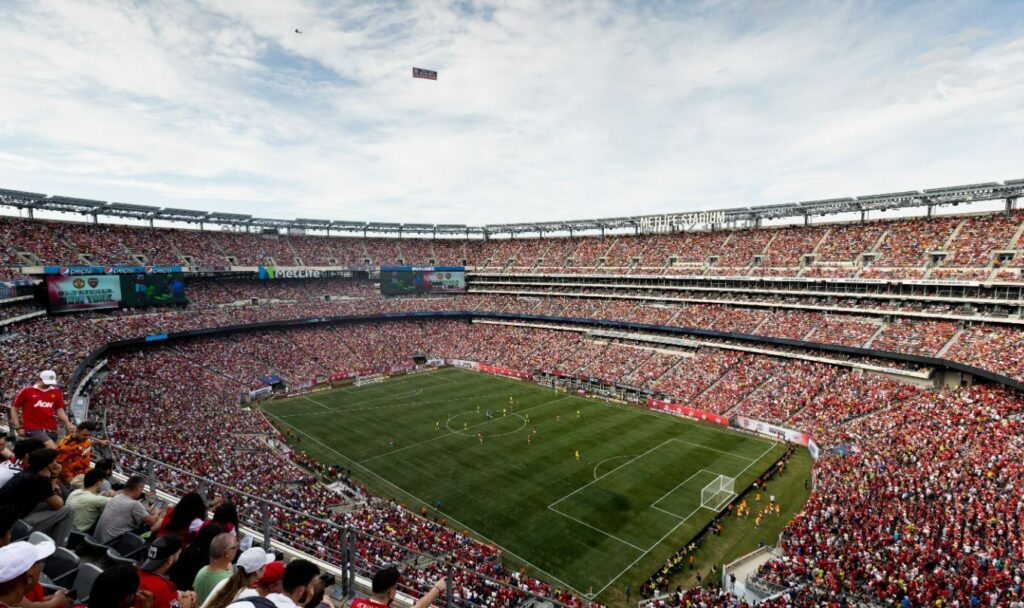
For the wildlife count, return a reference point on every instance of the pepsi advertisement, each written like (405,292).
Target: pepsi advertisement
(422,280)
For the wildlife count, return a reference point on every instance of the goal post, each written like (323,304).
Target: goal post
(716,494)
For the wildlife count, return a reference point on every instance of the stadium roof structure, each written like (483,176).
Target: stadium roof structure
(754,215)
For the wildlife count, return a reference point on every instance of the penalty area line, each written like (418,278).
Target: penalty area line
(670,532)
(449,516)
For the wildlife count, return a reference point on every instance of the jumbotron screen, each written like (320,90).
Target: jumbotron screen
(404,280)
(98,292)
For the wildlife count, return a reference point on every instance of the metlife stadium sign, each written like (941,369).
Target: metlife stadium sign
(271,273)
(670,222)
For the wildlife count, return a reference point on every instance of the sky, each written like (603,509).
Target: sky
(541,111)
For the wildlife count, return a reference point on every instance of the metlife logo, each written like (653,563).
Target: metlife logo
(270,273)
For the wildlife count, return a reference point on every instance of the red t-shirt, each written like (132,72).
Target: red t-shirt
(165,594)
(365,602)
(38,407)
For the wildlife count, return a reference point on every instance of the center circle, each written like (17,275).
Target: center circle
(472,430)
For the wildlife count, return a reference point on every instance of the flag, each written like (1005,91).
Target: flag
(421,73)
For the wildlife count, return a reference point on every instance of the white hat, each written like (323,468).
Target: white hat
(48,377)
(254,559)
(17,558)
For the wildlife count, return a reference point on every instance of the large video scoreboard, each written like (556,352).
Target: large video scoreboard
(82,289)
(405,280)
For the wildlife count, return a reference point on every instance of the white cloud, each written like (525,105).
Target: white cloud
(542,110)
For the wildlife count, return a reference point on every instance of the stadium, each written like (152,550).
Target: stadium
(736,357)
(679,402)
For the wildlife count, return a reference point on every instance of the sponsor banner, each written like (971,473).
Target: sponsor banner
(813,449)
(772,430)
(678,409)
(435,362)
(80,270)
(67,293)
(463,364)
(852,280)
(208,268)
(280,272)
(943,282)
(341,376)
(670,222)
(503,371)
(301,386)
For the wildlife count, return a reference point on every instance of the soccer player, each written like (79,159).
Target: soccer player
(529,439)
(577,455)
(437,425)
(391,442)
(36,407)
(577,414)
(480,436)
(504,412)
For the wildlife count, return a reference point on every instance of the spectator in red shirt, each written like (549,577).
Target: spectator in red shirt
(36,408)
(160,556)
(118,587)
(385,587)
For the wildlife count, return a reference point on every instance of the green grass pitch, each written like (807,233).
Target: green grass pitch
(607,519)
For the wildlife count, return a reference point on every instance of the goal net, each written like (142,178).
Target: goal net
(716,494)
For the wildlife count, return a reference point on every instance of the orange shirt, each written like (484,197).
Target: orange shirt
(73,456)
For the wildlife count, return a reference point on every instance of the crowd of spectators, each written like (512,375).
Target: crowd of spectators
(202,380)
(896,248)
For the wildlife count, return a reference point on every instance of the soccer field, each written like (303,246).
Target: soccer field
(632,498)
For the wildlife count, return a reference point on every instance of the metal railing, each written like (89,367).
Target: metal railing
(336,547)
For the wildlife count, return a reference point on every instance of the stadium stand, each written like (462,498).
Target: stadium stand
(917,493)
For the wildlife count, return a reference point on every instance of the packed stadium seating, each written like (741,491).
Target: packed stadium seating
(920,499)
(954,247)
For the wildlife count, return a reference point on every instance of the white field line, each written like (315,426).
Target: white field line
(449,434)
(450,518)
(611,536)
(588,484)
(598,465)
(596,479)
(669,533)
(682,483)
(385,407)
(315,402)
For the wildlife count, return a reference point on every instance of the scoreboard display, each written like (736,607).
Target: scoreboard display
(72,293)
(419,280)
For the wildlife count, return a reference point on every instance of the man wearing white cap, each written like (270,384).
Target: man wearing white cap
(36,408)
(239,585)
(20,564)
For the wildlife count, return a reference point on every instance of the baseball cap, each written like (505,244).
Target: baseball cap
(159,551)
(385,579)
(272,574)
(17,558)
(48,377)
(253,559)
